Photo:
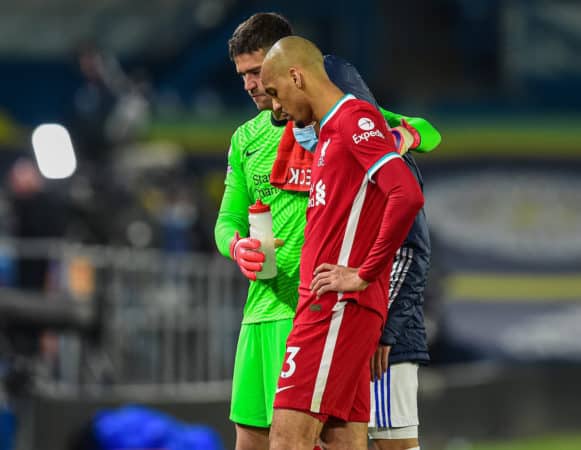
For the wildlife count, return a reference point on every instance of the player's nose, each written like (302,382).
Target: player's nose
(250,83)
(276,106)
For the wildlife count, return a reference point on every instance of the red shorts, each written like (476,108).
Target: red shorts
(326,370)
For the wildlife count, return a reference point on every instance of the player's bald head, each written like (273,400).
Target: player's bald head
(294,52)
(293,74)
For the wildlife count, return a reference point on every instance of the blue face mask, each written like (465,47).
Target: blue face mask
(306,137)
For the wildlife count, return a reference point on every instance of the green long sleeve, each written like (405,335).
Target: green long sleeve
(429,137)
(232,217)
(252,153)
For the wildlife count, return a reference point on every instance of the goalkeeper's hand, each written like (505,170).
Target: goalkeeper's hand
(406,137)
(246,253)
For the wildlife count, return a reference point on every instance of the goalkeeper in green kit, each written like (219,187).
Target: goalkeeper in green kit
(263,163)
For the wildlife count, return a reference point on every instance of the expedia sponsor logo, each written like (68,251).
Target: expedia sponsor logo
(357,138)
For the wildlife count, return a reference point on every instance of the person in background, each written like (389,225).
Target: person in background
(35,215)
(110,108)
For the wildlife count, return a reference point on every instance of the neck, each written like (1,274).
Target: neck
(277,115)
(327,95)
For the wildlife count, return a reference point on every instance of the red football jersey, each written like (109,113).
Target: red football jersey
(346,207)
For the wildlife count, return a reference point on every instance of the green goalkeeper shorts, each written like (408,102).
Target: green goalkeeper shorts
(259,357)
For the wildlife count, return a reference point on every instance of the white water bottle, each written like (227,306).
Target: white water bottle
(260,219)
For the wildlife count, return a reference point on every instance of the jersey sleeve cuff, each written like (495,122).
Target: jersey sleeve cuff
(365,276)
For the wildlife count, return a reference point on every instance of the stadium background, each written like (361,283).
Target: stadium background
(112,292)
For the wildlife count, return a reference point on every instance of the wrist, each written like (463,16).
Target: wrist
(387,339)
(413,132)
(362,282)
(364,278)
(232,247)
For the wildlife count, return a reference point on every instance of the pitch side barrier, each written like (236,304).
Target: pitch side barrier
(129,320)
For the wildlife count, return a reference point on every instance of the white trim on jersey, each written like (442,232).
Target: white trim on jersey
(351,227)
(380,163)
(404,258)
(334,109)
(327,357)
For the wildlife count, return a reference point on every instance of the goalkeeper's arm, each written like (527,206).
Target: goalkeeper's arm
(232,224)
(232,218)
(233,214)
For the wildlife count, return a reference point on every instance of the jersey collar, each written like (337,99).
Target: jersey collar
(335,107)
(277,122)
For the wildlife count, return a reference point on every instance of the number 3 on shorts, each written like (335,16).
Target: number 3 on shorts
(292,366)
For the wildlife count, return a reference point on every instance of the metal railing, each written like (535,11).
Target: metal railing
(161,323)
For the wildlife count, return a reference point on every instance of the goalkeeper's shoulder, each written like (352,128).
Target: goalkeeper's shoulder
(251,128)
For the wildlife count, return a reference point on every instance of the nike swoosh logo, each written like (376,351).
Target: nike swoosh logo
(248,153)
(284,388)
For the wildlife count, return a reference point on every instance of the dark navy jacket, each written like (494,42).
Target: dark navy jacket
(405,329)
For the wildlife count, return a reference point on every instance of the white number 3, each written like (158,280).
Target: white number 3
(292,366)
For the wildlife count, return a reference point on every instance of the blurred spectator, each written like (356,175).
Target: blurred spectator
(182,226)
(36,214)
(132,112)
(94,102)
(109,108)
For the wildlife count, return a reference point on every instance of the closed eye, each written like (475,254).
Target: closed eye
(250,72)
(255,71)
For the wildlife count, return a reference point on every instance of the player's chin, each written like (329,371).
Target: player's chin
(262,102)
(298,116)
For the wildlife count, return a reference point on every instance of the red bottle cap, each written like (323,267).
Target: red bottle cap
(258,207)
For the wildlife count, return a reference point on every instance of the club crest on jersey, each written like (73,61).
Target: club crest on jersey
(319,191)
(369,131)
(321,161)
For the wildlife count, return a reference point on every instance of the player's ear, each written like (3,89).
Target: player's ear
(297,77)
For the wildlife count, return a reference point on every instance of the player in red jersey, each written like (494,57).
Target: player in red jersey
(362,203)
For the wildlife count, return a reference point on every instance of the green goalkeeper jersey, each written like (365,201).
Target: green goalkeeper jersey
(252,153)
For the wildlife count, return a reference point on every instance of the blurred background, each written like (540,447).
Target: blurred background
(115,120)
